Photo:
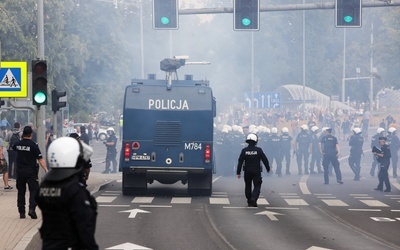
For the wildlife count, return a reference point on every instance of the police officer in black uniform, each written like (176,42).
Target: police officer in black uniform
(356,143)
(375,142)
(28,153)
(286,142)
(276,150)
(303,143)
(394,144)
(111,144)
(69,211)
(383,157)
(84,176)
(315,153)
(329,148)
(251,157)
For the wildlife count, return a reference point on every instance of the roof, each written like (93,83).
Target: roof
(293,95)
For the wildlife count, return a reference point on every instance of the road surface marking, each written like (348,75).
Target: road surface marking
(287,193)
(374,203)
(358,194)
(335,203)
(326,197)
(303,184)
(114,205)
(216,179)
(129,246)
(142,200)
(222,201)
(364,210)
(270,214)
(262,201)
(160,206)
(283,208)
(134,212)
(296,202)
(395,184)
(105,199)
(181,200)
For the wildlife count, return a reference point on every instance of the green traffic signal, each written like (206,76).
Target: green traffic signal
(40,97)
(348,19)
(164,20)
(246,21)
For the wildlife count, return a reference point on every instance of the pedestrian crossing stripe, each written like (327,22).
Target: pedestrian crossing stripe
(13,79)
(226,201)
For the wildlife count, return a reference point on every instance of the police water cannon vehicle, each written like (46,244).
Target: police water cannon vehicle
(168,132)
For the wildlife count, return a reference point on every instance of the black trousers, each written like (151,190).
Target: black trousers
(354,162)
(252,176)
(383,177)
(27,176)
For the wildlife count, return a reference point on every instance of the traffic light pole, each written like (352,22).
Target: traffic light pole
(40,113)
(287,7)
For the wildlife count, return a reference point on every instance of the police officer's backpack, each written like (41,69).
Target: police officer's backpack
(14,138)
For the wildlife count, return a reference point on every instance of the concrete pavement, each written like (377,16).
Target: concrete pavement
(16,233)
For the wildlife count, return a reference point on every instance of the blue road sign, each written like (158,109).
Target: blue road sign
(263,100)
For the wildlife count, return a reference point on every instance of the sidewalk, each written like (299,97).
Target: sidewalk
(17,233)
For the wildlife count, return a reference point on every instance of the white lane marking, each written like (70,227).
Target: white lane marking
(287,193)
(322,194)
(318,248)
(395,183)
(160,206)
(108,194)
(303,184)
(106,199)
(392,195)
(395,198)
(358,194)
(296,202)
(129,246)
(326,197)
(290,196)
(119,192)
(222,201)
(142,200)
(374,203)
(216,179)
(219,193)
(134,212)
(114,205)
(181,200)
(335,203)
(262,201)
(270,214)
(364,197)
(393,210)
(364,210)
(283,208)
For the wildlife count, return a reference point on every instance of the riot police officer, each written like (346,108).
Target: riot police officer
(69,211)
(111,144)
(286,142)
(330,150)
(315,153)
(394,144)
(375,142)
(251,157)
(383,157)
(356,143)
(276,150)
(303,145)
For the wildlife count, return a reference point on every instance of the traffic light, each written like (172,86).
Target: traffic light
(348,13)
(39,82)
(165,14)
(246,14)
(55,100)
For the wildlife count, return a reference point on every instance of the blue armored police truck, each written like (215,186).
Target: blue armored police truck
(168,135)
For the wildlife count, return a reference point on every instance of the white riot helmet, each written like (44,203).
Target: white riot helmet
(274,130)
(110,131)
(380,130)
(304,127)
(267,130)
(285,130)
(314,128)
(252,138)
(356,130)
(391,129)
(66,156)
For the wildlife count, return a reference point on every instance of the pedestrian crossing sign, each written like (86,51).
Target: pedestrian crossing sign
(13,79)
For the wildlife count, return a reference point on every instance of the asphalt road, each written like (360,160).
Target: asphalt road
(294,212)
